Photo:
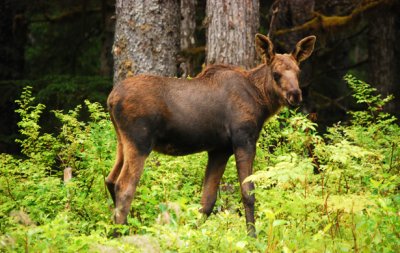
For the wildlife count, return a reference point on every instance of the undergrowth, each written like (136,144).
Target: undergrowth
(337,192)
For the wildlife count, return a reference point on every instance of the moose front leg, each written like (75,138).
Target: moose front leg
(244,156)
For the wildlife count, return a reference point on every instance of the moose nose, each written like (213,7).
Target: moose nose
(294,97)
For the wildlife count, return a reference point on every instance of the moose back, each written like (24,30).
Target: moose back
(220,111)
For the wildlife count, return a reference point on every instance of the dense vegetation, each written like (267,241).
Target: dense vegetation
(336,192)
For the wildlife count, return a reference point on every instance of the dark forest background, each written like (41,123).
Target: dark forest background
(63,49)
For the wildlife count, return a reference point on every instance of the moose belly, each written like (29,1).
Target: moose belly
(179,143)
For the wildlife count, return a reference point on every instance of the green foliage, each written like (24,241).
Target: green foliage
(57,92)
(364,94)
(39,148)
(65,92)
(351,205)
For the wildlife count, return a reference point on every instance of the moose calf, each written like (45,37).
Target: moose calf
(220,111)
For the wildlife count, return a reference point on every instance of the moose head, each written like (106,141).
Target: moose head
(284,68)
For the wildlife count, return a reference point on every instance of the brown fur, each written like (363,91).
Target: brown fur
(220,111)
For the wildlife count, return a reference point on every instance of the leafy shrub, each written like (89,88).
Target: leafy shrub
(57,92)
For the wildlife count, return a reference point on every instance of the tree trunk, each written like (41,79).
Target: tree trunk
(13,34)
(381,56)
(188,27)
(232,25)
(146,38)
(106,59)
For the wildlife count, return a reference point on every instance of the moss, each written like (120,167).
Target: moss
(322,22)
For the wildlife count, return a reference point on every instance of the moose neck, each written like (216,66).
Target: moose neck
(268,96)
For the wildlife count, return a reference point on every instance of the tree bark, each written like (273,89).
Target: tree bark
(146,38)
(107,37)
(232,25)
(188,28)
(381,56)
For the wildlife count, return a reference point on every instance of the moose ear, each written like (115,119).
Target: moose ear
(304,48)
(264,48)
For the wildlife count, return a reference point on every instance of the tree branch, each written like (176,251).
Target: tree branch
(330,101)
(322,22)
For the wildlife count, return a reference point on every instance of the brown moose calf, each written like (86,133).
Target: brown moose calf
(220,111)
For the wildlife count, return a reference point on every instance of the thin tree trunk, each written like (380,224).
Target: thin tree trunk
(232,25)
(107,38)
(188,28)
(146,38)
(381,56)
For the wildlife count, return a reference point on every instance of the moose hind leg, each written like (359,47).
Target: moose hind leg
(214,171)
(113,176)
(127,181)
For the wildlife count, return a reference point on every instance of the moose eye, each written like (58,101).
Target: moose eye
(276,76)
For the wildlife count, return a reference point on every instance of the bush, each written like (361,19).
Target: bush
(57,92)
